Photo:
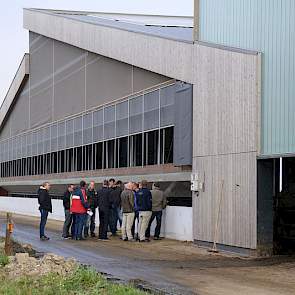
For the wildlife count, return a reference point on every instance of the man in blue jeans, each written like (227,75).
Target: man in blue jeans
(79,208)
(45,206)
(159,203)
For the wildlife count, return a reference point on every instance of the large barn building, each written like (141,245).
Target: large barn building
(135,96)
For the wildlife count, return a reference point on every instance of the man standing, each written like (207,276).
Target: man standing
(45,206)
(67,199)
(144,206)
(127,203)
(104,209)
(159,203)
(112,182)
(79,209)
(93,203)
(136,187)
(115,213)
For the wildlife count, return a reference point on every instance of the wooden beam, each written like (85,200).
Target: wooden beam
(196,20)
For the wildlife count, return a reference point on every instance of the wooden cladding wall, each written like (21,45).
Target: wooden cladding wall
(226,142)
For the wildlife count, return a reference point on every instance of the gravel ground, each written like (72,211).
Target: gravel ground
(169,266)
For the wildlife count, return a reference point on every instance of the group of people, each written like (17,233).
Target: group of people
(132,206)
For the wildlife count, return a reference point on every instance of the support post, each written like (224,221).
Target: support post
(9,230)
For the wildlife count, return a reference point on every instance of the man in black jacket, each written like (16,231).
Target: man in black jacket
(104,209)
(115,211)
(93,203)
(67,206)
(45,206)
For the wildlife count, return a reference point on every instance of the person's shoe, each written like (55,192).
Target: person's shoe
(125,240)
(157,239)
(142,241)
(93,235)
(104,240)
(81,239)
(66,238)
(44,238)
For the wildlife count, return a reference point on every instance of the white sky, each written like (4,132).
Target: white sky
(14,39)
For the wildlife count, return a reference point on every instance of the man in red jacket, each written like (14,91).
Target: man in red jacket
(79,209)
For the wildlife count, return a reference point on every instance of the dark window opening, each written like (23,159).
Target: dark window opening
(122,144)
(54,162)
(61,161)
(136,154)
(98,155)
(109,152)
(79,158)
(48,163)
(168,145)
(151,142)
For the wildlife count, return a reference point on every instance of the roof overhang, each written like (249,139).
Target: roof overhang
(167,57)
(176,59)
(18,82)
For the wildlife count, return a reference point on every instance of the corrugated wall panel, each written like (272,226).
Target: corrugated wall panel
(266,26)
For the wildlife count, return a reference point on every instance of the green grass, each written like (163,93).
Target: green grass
(3,260)
(83,281)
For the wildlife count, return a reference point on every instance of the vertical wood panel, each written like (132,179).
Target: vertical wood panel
(226,101)
(238,208)
(226,124)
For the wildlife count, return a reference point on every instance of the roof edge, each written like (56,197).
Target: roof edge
(16,85)
(84,12)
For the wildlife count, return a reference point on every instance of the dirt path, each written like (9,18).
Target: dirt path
(171,266)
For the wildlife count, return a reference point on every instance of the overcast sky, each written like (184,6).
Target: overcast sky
(14,39)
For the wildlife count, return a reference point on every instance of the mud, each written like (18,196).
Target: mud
(168,267)
(24,265)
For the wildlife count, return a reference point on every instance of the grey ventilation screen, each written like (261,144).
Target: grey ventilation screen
(167,100)
(54,137)
(182,152)
(47,140)
(61,135)
(40,141)
(78,134)
(151,110)
(87,128)
(136,114)
(29,144)
(24,145)
(163,107)
(109,122)
(98,125)
(122,118)
(69,133)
